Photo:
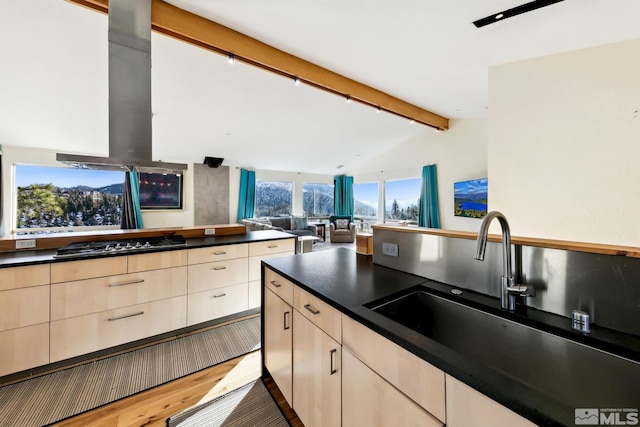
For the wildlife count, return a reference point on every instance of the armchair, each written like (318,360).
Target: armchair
(342,229)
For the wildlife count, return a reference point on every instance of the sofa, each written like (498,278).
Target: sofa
(342,229)
(289,224)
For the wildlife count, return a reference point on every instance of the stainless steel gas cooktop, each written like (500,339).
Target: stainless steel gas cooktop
(111,247)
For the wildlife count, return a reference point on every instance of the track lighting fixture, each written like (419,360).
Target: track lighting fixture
(378,110)
(348,99)
(296,80)
(232,58)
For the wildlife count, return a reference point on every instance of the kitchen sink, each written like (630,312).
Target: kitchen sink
(551,364)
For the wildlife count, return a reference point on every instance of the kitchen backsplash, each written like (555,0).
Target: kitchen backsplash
(605,286)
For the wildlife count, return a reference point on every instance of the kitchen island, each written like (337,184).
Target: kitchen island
(349,283)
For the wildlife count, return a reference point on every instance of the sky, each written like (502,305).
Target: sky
(406,192)
(366,193)
(470,187)
(65,177)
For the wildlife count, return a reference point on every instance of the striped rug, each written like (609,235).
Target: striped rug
(250,405)
(59,395)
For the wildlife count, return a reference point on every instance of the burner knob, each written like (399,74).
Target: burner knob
(128,246)
(147,245)
(118,246)
(138,245)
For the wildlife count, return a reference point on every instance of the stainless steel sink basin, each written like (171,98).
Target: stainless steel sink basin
(556,366)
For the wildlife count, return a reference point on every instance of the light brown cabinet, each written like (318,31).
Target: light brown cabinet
(303,350)
(277,345)
(369,400)
(264,250)
(96,305)
(418,380)
(24,318)
(468,407)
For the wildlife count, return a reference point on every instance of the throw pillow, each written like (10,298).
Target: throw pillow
(342,224)
(300,222)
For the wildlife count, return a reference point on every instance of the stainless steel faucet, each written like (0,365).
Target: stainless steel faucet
(508,288)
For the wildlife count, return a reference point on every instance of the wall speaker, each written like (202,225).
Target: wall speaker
(213,162)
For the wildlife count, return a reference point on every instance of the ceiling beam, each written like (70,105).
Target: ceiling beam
(191,28)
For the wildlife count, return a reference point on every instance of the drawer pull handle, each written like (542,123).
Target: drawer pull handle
(218,296)
(286,317)
(220,267)
(272,246)
(332,356)
(133,282)
(313,310)
(276,284)
(220,253)
(112,319)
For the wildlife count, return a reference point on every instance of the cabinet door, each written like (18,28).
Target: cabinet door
(317,374)
(277,342)
(468,407)
(24,348)
(368,400)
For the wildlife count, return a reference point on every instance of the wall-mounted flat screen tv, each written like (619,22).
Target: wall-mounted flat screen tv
(470,198)
(160,191)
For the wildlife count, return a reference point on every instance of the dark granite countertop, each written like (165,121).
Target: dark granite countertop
(527,386)
(22,258)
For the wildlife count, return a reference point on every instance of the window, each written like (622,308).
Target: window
(317,199)
(273,198)
(365,197)
(401,201)
(58,198)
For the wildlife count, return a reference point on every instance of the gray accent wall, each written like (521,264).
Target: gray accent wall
(211,195)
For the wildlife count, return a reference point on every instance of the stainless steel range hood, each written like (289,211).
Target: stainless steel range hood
(129,94)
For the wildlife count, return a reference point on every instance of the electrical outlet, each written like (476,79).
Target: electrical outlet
(209,231)
(390,249)
(26,244)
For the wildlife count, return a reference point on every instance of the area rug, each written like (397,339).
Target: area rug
(63,394)
(250,405)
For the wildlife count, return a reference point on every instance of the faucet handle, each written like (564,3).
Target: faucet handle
(522,290)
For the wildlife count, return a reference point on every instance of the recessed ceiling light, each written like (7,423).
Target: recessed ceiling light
(500,15)
(339,166)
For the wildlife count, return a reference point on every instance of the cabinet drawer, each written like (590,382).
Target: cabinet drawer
(217,274)
(84,334)
(279,285)
(218,253)
(466,406)
(87,269)
(156,260)
(320,313)
(255,263)
(209,305)
(272,247)
(24,307)
(81,297)
(419,380)
(23,277)
(24,348)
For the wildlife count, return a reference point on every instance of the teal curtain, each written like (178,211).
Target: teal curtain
(135,197)
(429,213)
(343,195)
(131,215)
(247,197)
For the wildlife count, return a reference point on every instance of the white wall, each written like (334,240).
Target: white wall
(460,154)
(33,156)
(564,145)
